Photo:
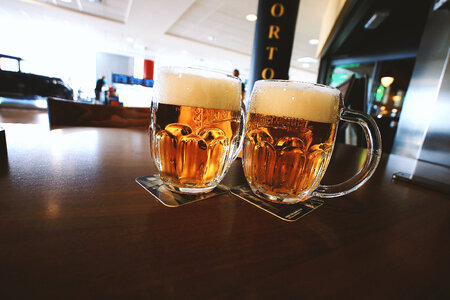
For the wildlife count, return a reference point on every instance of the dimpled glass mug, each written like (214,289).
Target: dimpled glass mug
(289,137)
(197,121)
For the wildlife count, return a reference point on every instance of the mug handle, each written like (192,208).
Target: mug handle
(240,135)
(373,139)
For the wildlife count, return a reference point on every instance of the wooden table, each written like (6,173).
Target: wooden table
(75,224)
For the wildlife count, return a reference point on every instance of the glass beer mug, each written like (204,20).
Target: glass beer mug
(290,135)
(197,121)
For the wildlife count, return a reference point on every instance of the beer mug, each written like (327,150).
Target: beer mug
(197,121)
(290,135)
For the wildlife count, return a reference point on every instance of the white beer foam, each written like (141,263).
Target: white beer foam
(189,87)
(295,100)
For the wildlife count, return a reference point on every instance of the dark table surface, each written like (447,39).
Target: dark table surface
(75,224)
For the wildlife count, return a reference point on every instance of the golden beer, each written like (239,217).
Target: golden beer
(289,138)
(194,129)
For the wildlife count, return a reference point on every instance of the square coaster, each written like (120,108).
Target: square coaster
(286,212)
(156,187)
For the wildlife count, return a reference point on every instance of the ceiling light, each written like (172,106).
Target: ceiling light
(308,60)
(313,41)
(305,65)
(376,19)
(251,17)
(211,38)
(387,81)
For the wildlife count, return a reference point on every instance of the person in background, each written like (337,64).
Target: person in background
(98,87)
(236,74)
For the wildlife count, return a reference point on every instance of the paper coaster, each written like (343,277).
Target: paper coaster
(155,186)
(287,212)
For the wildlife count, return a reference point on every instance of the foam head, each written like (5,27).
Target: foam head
(293,99)
(198,88)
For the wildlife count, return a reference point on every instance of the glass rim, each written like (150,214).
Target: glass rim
(306,83)
(197,69)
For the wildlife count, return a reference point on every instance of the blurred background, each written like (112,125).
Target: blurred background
(79,41)
(388,57)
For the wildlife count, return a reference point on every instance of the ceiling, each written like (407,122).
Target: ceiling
(205,30)
(223,23)
(115,10)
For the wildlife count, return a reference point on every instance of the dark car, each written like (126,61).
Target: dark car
(27,85)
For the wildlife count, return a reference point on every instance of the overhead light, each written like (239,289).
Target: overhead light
(305,65)
(211,38)
(376,19)
(387,81)
(313,41)
(308,60)
(251,17)
(438,4)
